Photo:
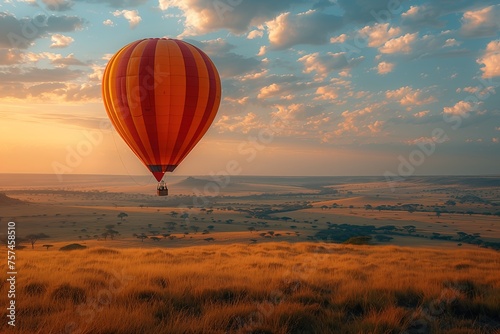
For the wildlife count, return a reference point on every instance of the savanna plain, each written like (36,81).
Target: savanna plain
(246,254)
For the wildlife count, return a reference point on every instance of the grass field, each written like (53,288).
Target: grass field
(262,288)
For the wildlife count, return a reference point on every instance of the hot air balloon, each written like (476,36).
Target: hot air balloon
(161,96)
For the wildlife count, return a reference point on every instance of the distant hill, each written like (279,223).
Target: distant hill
(6,200)
(193,182)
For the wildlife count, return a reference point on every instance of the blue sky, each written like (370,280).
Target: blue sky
(345,87)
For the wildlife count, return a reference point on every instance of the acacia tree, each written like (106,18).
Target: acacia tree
(33,238)
(122,215)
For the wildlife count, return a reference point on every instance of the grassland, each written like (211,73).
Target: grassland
(262,288)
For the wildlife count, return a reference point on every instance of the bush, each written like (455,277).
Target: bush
(71,247)
(361,240)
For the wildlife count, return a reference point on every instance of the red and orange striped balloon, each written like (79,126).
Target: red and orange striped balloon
(161,96)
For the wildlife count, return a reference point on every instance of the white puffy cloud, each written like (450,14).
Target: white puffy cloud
(379,33)
(450,42)
(327,93)
(255,34)
(482,22)
(60,41)
(491,60)
(108,23)
(269,91)
(324,64)
(60,61)
(353,121)
(461,108)
(402,44)
(311,27)
(421,114)
(385,67)
(243,124)
(204,16)
(338,39)
(132,16)
(407,96)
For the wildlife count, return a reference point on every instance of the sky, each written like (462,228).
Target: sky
(327,87)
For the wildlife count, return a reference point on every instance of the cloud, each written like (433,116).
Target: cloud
(243,124)
(385,67)
(34,74)
(255,34)
(311,27)
(427,140)
(60,41)
(407,96)
(9,57)
(132,16)
(450,42)
(108,23)
(51,91)
(204,16)
(228,63)
(67,61)
(461,108)
(12,89)
(14,35)
(262,51)
(327,93)
(422,16)
(290,112)
(483,22)
(421,114)
(269,91)
(39,90)
(376,126)
(338,39)
(364,11)
(353,120)
(379,34)
(325,64)
(58,5)
(402,44)
(491,60)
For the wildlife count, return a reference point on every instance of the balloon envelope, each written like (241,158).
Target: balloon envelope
(161,95)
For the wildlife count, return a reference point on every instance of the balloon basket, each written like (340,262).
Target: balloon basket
(162,192)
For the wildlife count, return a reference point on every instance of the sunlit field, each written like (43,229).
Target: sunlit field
(261,288)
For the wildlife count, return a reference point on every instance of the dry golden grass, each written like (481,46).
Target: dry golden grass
(263,288)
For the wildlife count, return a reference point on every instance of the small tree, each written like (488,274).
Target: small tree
(47,246)
(410,229)
(122,215)
(33,238)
